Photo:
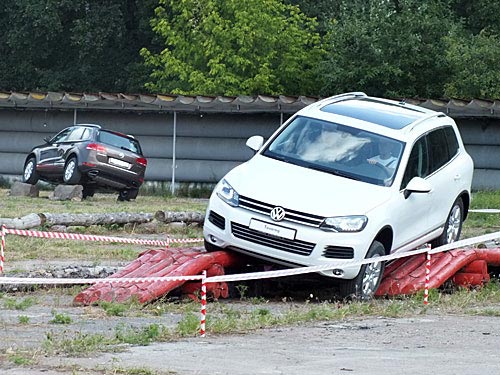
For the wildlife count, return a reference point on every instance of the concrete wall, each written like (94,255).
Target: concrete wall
(207,145)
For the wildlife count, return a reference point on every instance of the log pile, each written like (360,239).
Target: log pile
(121,218)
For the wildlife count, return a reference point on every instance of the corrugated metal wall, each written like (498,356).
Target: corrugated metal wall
(207,146)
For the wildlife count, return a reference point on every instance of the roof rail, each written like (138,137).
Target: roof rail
(423,119)
(339,97)
(89,125)
(346,95)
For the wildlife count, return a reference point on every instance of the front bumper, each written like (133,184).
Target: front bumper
(301,245)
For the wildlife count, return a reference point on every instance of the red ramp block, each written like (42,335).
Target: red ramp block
(466,267)
(158,263)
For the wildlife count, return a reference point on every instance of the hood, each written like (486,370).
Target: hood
(306,190)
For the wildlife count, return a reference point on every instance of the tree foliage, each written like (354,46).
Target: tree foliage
(388,48)
(234,47)
(391,48)
(74,45)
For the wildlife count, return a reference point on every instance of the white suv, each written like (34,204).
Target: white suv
(346,178)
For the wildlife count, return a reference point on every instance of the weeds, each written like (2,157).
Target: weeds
(14,304)
(60,318)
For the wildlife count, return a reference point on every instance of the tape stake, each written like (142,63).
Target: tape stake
(203,303)
(427,277)
(2,249)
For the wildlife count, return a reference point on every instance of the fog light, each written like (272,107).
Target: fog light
(338,272)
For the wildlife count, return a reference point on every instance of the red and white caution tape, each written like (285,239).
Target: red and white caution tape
(109,280)
(90,237)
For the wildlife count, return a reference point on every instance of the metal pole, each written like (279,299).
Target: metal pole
(74,116)
(174,135)
(281,118)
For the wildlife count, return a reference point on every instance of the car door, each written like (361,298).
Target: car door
(66,146)
(445,175)
(413,211)
(49,154)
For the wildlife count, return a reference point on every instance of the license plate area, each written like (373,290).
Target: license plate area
(119,163)
(273,229)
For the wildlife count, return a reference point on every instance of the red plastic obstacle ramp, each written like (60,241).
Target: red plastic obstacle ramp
(464,267)
(171,262)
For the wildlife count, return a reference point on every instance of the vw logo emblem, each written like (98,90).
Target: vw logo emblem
(121,155)
(277,213)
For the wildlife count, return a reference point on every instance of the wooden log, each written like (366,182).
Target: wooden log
(95,219)
(186,217)
(25,222)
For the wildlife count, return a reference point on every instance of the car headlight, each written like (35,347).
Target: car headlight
(227,193)
(344,223)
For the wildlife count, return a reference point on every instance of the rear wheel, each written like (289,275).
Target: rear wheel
(364,286)
(71,173)
(88,191)
(453,225)
(126,195)
(30,176)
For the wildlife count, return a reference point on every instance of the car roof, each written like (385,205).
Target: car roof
(392,118)
(392,115)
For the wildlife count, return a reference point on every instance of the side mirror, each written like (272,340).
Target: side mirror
(255,142)
(417,185)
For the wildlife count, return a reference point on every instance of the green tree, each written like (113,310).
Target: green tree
(74,45)
(474,64)
(234,47)
(392,48)
(478,15)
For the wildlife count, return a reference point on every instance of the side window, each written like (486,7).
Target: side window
(452,141)
(76,134)
(418,163)
(438,146)
(62,136)
(86,134)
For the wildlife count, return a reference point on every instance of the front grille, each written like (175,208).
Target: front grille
(291,246)
(338,252)
(291,215)
(217,220)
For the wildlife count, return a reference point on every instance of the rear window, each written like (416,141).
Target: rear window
(120,141)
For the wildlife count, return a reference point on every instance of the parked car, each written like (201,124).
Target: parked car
(346,178)
(90,156)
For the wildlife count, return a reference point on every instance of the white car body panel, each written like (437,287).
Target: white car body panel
(400,221)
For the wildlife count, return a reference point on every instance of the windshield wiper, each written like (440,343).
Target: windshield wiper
(334,171)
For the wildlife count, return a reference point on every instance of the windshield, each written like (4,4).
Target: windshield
(338,149)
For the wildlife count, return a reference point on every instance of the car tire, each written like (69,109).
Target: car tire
(132,193)
(88,191)
(453,225)
(364,286)
(126,195)
(71,174)
(30,176)
(211,247)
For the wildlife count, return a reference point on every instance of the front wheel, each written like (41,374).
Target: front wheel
(30,176)
(453,225)
(211,247)
(71,175)
(364,286)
